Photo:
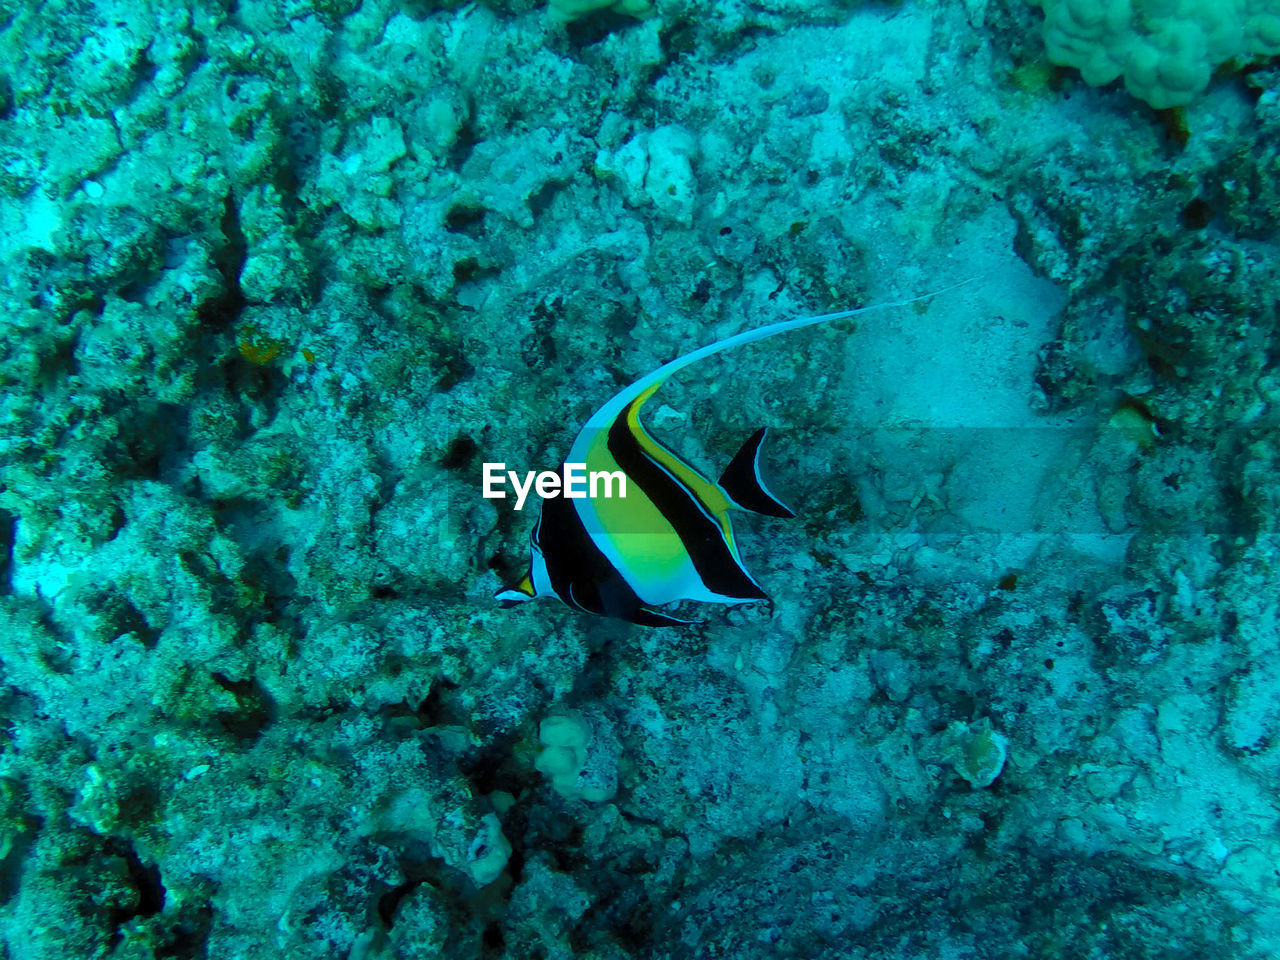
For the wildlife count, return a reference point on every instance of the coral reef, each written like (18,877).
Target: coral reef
(277,280)
(1165,50)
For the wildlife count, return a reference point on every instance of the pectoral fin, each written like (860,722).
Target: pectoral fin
(652,618)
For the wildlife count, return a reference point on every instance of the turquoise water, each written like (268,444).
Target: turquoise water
(278,281)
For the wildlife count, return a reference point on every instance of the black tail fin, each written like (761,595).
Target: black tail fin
(741,480)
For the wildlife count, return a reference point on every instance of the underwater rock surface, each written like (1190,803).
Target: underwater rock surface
(276,280)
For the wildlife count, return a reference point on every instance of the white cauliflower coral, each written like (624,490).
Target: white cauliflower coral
(579,756)
(1165,50)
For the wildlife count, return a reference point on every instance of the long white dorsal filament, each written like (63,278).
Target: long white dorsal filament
(605,416)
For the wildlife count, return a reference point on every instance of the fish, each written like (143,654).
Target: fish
(670,538)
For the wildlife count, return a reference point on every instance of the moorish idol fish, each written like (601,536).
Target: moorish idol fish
(669,538)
